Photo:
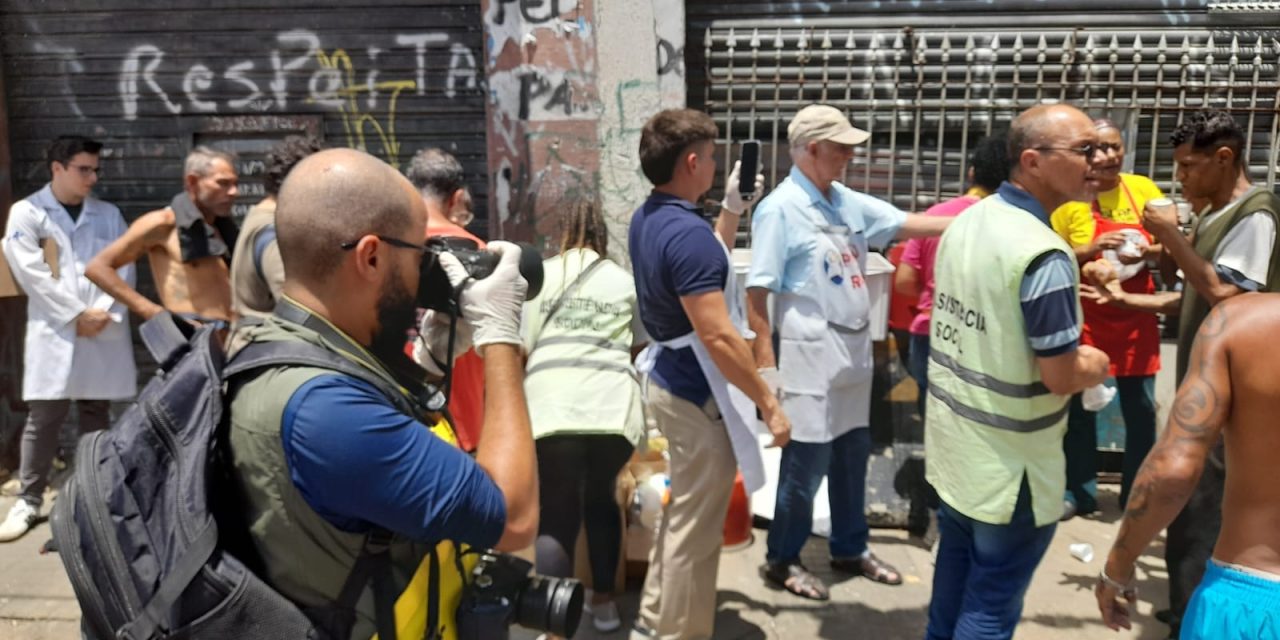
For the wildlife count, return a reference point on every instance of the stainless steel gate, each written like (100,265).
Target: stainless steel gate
(927,94)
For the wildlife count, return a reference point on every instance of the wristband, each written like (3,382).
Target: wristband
(1128,590)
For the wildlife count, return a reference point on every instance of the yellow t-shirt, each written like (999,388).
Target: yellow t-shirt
(1074,220)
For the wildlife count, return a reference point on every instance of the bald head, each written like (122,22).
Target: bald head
(1043,126)
(1051,151)
(338,196)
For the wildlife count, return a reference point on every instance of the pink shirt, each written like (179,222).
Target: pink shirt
(921,253)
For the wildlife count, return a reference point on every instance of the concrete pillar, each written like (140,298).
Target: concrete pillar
(571,82)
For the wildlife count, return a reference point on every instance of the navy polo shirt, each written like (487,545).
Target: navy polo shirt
(674,253)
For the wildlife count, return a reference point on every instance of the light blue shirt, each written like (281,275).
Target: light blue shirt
(784,229)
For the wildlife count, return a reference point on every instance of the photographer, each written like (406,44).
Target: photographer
(321,459)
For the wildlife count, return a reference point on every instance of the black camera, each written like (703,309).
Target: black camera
(503,592)
(434,290)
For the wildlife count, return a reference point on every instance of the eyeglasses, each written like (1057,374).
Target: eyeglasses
(1085,150)
(395,242)
(85,170)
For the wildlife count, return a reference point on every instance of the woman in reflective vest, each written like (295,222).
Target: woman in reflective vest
(584,402)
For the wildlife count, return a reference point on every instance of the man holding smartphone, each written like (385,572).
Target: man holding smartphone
(810,241)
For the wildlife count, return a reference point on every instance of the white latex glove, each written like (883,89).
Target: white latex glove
(733,200)
(492,305)
(432,346)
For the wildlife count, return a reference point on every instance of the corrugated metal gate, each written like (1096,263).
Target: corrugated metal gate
(926,92)
(929,77)
(152,79)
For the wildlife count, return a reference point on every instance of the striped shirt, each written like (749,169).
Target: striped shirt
(1048,289)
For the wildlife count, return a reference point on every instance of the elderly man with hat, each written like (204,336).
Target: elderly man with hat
(810,239)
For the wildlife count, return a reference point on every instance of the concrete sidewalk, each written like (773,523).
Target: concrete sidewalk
(36,601)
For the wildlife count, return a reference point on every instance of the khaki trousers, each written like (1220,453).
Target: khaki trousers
(679,599)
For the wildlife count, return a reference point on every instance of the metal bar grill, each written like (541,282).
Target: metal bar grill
(925,112)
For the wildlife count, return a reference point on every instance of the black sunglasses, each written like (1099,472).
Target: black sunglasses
(395,242)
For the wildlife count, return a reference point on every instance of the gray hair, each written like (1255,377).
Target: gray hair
(201,158)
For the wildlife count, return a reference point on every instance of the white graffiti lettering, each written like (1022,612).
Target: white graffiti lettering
(280,85)
(236,73)
(198,78)
(129,80)
(420,42)
(462,68)
(298,55)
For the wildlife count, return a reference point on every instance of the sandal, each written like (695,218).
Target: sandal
(795,578)
(869,566)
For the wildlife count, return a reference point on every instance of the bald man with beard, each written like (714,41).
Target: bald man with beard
(322,458)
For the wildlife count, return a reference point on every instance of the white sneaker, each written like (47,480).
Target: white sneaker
(604,617)
(19,521)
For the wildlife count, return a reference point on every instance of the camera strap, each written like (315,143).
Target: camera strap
(567,293)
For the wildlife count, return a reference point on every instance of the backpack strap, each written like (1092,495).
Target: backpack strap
(152,621)
(373,566)
(260,355)
(261,242)
(167,337)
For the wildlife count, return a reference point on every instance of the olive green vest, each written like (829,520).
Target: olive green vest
(990,420)
(305,558)
(1195,308)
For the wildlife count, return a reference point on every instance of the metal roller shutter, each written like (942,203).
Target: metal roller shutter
(928,78)
(153,79)
(927,86)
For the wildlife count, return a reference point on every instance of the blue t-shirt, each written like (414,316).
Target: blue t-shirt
(358,461)
(674,253)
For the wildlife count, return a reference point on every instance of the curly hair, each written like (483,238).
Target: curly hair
(282,158)
(1209,130)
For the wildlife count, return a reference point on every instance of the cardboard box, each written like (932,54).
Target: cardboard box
(9,287)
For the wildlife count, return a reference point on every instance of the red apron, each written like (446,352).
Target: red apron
(1130,338)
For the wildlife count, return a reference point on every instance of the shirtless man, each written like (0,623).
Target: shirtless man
(188,245)
(1228,390)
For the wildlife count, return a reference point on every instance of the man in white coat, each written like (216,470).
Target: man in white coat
(78,345)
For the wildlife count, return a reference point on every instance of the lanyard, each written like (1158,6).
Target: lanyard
(407,375)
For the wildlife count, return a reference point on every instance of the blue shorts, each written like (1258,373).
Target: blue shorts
(1232,604)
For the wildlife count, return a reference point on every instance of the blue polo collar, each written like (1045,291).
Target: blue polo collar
(661,199)
(811,190)
(1022,200)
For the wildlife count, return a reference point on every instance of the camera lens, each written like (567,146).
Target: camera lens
(552,605)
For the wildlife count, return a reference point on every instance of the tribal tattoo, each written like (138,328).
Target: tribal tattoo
(1169,474)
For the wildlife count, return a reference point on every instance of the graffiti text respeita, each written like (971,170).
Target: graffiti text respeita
(292,64)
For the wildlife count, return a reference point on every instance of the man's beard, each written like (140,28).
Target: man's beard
(397,311)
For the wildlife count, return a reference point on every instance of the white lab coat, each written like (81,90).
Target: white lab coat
(59,364)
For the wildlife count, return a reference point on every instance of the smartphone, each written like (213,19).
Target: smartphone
(750,167)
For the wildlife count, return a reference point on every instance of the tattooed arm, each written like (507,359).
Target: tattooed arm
(1170,473)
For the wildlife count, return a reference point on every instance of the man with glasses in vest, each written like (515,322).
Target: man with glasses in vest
(1005,359)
